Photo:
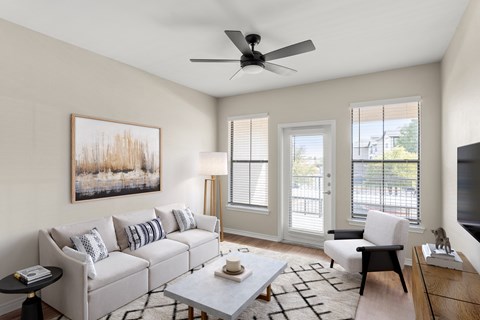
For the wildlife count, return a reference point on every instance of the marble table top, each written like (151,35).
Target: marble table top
(221,297)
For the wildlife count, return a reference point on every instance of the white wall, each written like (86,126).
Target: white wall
(460,120)
(43,81)
(330,100)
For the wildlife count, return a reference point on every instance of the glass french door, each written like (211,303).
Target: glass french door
(307,183)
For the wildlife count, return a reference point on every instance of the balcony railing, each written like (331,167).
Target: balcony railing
(399,197)
(307,195)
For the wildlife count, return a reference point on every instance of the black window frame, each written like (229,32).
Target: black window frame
(362,216)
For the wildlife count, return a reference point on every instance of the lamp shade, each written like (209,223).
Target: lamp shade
(213,163)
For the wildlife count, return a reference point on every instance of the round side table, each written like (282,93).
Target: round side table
(32,306)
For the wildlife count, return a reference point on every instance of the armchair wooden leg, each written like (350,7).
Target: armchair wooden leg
(398,269)
(331,263)
(365,263)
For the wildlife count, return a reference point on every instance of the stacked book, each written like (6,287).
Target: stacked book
(440,258)
(32,274)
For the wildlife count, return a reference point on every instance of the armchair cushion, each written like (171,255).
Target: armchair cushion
(386,229)
(344,252)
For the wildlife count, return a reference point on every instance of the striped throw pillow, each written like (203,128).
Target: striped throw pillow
(185,219)
(142,234)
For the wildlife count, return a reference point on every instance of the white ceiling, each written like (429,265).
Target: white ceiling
(160,36)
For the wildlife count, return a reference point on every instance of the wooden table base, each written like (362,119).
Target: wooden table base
(264,296)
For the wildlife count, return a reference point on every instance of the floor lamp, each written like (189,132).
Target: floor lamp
(213,164)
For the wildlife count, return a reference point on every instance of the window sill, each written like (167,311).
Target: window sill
(412,228)
(247,209)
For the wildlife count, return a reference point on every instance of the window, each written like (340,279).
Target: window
(248,161)
(386,159)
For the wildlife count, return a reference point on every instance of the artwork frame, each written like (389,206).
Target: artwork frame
(112,158)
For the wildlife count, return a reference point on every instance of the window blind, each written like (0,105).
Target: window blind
(386,160)
(248,160)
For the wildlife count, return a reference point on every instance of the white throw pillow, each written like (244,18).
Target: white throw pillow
(185,219)
(82,257)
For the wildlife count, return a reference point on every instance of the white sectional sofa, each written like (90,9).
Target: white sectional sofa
(125,275)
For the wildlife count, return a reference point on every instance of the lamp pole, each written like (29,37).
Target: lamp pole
(213,164)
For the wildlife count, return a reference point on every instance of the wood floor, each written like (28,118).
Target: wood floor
(383,297)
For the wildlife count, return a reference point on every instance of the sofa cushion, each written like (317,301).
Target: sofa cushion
(345,254)
(121,221)
(142,234)
(117,266)
(92,244)
(185,219)
(62,234)
(158,251)
(193,238)
(204,222)
(165,213)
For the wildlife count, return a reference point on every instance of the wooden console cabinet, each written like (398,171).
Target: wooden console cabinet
(440,293)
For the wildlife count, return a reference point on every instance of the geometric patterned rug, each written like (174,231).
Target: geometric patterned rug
(308,289)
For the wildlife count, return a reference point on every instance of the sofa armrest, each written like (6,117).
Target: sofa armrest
(207,223)
(340,234)
(69,295)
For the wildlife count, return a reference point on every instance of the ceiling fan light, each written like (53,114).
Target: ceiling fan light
(252,68)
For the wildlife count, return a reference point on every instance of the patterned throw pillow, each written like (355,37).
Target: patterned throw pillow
(92,244)
(144,233)
(185,219)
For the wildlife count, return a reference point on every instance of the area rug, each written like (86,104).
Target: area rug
(308,289)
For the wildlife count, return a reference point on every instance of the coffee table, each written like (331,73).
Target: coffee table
(225,298)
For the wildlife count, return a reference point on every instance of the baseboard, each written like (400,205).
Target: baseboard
(408,262)
(252,234)
(11,305)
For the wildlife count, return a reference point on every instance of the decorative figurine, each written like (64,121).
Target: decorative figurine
(441,240)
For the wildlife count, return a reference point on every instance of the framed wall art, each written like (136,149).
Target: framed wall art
(111,158)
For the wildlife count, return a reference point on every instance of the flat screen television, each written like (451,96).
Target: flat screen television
(468,188)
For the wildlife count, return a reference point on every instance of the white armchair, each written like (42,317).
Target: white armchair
(380,247)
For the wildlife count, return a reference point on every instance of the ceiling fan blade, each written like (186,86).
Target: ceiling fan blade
(237,74)
(294,49)
(239,41)
(214,60)
(278,69)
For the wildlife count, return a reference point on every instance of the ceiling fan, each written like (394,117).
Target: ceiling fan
(253,62)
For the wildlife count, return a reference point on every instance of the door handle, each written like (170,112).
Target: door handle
(328,192)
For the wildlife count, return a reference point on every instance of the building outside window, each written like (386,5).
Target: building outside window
(386,158)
